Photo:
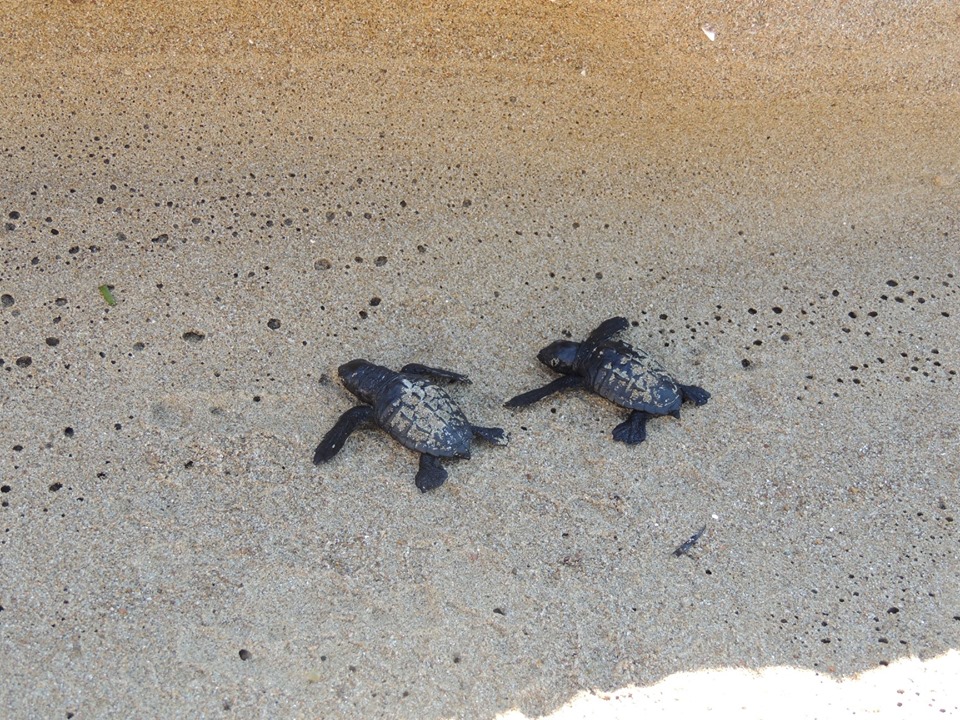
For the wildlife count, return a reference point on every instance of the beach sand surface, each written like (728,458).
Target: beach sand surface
(769,194)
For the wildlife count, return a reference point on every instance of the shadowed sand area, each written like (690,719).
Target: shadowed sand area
(270,190)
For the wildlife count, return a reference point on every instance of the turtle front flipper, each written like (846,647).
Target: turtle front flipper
(417,369)
(608,328)
(633,430)
(696,395)
(334,439)
(493,435)
(530,397)
(431,474)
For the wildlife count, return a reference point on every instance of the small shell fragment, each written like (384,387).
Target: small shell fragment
(709,31)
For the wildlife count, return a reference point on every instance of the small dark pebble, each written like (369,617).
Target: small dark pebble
(68,431)
(52,341)
(245,654)
(6,300)
(4,488)
(162,238)
(193,336)
(54,487)
(746,363)
(273,324)
(24,361)
(500,611)
(322,264)
(374,301)
(380,261)
(14,215)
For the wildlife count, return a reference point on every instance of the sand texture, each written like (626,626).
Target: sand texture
(271,189)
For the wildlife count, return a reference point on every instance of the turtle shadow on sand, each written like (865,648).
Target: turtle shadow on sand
(615,370)
(412,409)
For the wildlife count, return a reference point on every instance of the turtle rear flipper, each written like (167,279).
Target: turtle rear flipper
(530,397)
(418,369)
(334,439)
(431,474)
(633,430)
(694,394)
(493,435)
(608,328)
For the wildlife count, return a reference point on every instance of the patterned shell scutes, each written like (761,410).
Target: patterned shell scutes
(631,378)
(422,416)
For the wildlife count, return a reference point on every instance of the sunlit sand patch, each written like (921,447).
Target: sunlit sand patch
(906,688)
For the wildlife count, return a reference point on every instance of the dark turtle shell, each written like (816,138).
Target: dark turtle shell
(629,377)
(423,417)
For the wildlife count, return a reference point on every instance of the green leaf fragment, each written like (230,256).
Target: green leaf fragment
(107,295)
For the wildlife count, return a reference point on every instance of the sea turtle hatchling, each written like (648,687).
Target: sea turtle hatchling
(613,369)
(413,410)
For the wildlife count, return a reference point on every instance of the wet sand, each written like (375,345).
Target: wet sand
(270,192)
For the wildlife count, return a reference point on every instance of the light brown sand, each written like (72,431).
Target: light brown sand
(776,209)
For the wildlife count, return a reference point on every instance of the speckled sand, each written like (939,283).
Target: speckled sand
(271,189)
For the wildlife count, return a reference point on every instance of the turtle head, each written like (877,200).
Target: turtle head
(560,356)
(363,378)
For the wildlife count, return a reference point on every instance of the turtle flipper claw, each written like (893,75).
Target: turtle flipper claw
(633,430)
(431,474)
(531,396)
(333,441)
(418,369)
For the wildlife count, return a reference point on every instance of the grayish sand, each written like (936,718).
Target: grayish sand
(776,210)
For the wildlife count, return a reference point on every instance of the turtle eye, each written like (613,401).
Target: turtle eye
(554,362)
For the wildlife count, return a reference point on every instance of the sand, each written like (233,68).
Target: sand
(271,190)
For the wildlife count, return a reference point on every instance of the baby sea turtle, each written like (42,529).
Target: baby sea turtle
(613,369)
(415,411)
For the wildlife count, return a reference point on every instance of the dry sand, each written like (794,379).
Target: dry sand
(272,189)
